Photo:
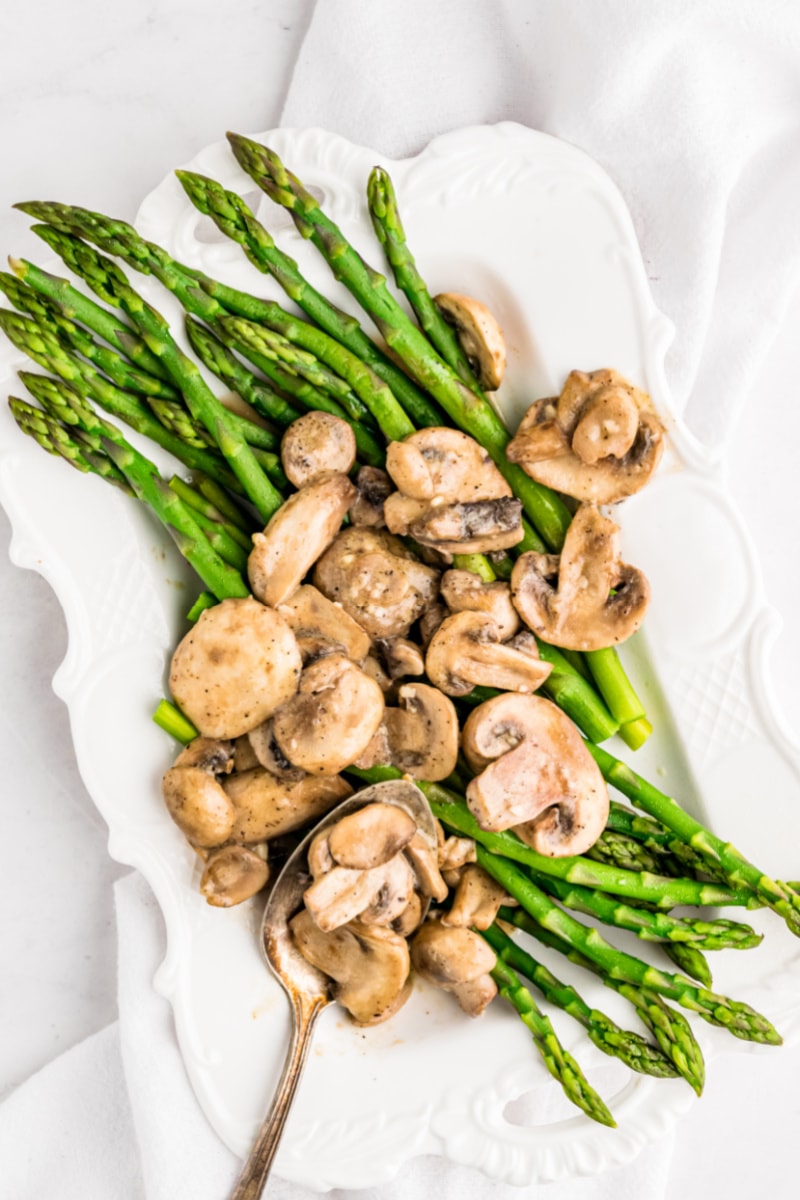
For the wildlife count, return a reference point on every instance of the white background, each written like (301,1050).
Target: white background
(97,103)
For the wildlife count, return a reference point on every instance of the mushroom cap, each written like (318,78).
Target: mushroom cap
(581,613)
(401,657)
(198,805)
(375,579)
(450,955)
(370,964)
(320,626)
(475,527)
(466,651)
(444,463)
(265,807)
(422,732)
(316,443)
(477,900)
(267,753)
(233,874)
(464,591)
(370,837)
(214,755)
(374,485)
(330,720)
(479,336)
(600,441)
(297,535)
(534,770)
(377,895)
(234,668)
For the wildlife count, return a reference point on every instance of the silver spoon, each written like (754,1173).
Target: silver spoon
(309,991)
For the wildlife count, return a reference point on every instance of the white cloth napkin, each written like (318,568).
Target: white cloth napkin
(693,109)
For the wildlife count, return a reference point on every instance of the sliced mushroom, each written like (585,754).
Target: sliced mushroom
(600,441)
(377,895)
(268,753)
(198,805)
(233,874)
(331,719)
(454,958)
(424,860)
(422,732)
(430,622)
(375,579)
(265,807)
(477,901)
(374,485)
(401,657)
(370,965)
(411,917)
(214,755)
(534,769)
(234,668)
(296,536)
(322,627)
(373,667)
(466,651)
(479,336)
(316,443)
(244,756)
(456,852)
(586,598)
(476,527)
(370,837)
(464,591)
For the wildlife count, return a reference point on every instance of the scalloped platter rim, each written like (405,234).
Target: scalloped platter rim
(540,233)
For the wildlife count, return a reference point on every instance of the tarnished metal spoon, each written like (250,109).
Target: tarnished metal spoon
(309,991)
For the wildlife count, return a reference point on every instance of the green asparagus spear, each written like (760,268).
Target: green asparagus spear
(55,439)
(257,392)
(632,1049)
(691,960)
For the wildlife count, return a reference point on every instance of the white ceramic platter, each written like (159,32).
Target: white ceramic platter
(539,232)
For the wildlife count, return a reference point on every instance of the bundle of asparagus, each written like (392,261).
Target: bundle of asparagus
(123,359)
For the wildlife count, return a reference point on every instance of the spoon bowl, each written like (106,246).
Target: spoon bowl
(308,990)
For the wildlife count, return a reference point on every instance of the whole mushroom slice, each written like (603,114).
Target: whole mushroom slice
(534,770)
(329,722)
(453,958)
(444,463)
(377,581)
(466,651)
(232,875)
(477,901)
(316,443)
(585,598)
(464,591)
(401,657)
(198,805)
(234,668)
(475,527)
(268,754)
(296,536)
(370,965)
(425,861)
(215,755)
(423,732)
(378,895)
(478,334)
(600,441)
(370,837)
(264,807)
(322,627)
(373,485)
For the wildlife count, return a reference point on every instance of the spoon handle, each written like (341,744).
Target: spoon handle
(255,1172)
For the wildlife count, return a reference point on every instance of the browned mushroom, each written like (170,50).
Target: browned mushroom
(265,807)
(477,900)
(463,591)
(378,895)
(425,861)
(467,650)
(322,627)
(457,960)
(478,334)
(534,770)
(267,753)
(376,580)
(198,805)
(233,874)
(601,440)
(584,598)
(374,485)
(370,964)
(370,837)
(401,657)
(296,536)
(234,668)
(330,720)
(316,443)
(422,732)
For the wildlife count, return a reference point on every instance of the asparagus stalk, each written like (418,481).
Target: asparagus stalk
(171,719)
(55,439)
(559,1062)
(661,890)
(691,960)
(222,363)
(669,1027)
(650,926)
(389,230)
(202,504)
(632,1049)
(658,840)
(738,1018)
(620,850)
(73,304)
(232,216)
(740,873)
(112,285)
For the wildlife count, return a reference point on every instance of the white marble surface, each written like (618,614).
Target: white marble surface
(97,103)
